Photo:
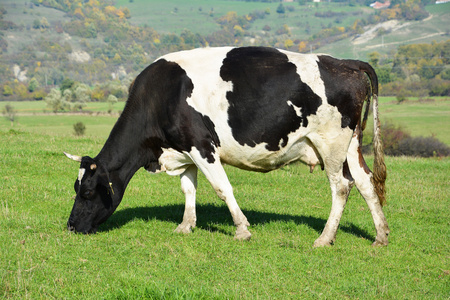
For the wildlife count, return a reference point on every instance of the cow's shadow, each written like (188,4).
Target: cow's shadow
(208,215)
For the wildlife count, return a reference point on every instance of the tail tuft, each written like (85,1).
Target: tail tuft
(379,167)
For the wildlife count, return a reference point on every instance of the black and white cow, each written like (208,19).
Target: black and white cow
(254,108)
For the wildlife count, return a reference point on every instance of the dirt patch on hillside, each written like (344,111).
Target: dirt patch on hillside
(372,32)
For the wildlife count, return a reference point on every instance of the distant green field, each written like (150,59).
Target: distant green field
(419,118)
(39,107)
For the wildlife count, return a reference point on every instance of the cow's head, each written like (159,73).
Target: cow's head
(95,201)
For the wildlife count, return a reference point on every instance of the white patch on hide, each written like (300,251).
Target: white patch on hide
(81,172)
(174,162)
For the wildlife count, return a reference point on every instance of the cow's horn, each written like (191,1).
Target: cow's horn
(73,157)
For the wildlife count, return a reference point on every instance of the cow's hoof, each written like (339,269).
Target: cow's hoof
(184,228)
(378,243)
(242,234)
(322,243)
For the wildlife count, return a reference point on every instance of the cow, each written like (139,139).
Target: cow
(254,108)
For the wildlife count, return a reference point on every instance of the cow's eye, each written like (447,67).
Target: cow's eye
(88,194)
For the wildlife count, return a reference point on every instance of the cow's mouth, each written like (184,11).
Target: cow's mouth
(72,228)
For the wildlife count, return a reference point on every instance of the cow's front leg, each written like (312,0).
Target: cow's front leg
(189,188)
(216,175)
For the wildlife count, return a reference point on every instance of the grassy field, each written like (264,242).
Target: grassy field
(420,118)
(136,255)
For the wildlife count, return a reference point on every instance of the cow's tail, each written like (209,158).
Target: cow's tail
(379,167)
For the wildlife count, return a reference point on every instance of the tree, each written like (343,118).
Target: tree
(111,101)
(55,101)
(36,24)
(10,113)
(281,9)
(374,58)
(288,43)
(33,85)
(302,46)
(44,23)
(7,90)
(67,83)
(67,95)
(82,93)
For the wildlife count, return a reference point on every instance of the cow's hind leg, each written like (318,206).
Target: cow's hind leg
(189,188)
(334,156)
(362,176)
(340,189)
(216,175)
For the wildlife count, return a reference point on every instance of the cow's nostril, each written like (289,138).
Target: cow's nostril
(70,227)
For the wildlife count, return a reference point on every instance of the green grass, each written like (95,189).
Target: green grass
(39,107)
(420,118)
(33,116)
(136,255)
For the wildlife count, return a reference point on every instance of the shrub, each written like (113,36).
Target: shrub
(39,94)
(79,128)
(422,146)
(398,142)
(392,135)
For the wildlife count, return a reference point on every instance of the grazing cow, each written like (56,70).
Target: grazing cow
(254,108)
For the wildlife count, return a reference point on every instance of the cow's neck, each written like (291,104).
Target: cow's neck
(123,155)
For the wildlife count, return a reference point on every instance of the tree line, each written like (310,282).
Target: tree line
(115,46)
(416,70)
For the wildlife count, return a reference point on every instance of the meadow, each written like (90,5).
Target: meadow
(136,254)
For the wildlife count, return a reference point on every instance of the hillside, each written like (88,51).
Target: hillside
(387,36)
(67,43)
(198,16)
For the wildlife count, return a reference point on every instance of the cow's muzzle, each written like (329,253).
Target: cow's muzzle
(70,227)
